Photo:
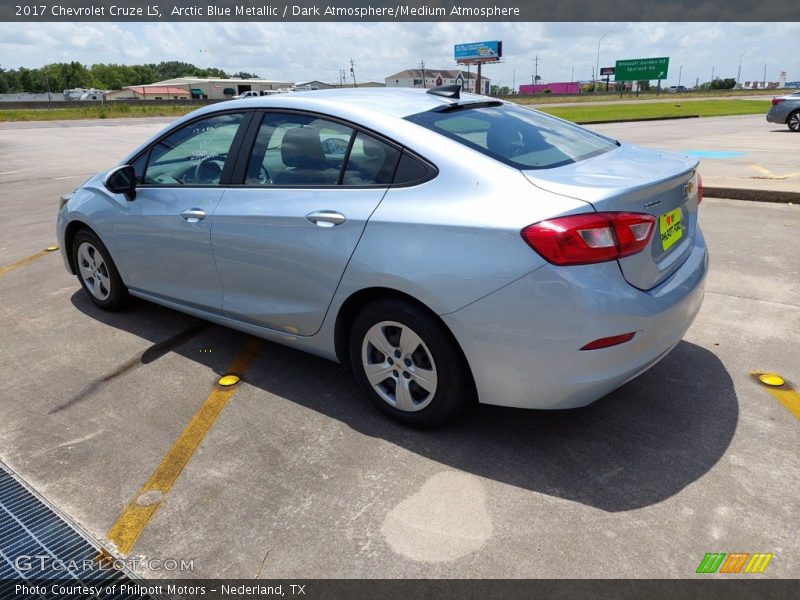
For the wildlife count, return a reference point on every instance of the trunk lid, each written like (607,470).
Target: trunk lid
(640,180)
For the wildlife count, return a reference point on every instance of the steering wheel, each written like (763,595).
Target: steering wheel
(208,170)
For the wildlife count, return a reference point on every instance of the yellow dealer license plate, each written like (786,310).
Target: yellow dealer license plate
(669,225)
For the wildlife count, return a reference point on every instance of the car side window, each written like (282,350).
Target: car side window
(410,170)
(371,162)
(194,154)
(297,150)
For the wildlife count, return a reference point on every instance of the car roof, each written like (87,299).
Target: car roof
(381,109)
(392,101)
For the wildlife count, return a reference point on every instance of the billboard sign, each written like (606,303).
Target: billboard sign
(478,51)
(607,70)
(642,69)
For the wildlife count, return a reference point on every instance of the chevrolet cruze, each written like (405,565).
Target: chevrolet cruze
(446,247)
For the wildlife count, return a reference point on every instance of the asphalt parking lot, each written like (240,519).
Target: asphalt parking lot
(299,477)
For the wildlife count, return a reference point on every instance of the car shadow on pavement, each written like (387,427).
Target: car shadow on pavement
(639,445)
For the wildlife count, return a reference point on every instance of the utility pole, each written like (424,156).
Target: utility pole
(422,66)
(572,74)
(764,81)
(712,73)
(739,72)
(680,72)
(535,76)
(353,72)
(597,65)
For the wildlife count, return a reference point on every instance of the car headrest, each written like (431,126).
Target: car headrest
(502,138)
(373,148)
(301,147)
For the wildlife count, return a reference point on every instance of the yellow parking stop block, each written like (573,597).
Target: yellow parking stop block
(771,379)
(779,389)
(228,380)
(51,248)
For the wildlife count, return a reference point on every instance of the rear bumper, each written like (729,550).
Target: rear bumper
(522,342)
(777,114)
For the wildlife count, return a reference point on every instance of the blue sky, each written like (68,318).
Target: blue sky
(305,51)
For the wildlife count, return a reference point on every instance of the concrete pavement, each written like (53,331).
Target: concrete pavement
(739,152)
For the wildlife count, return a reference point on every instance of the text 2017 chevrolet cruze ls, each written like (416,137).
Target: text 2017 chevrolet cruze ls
(446,247)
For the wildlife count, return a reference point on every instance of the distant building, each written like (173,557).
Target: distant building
(559,87)
(182,88)
(437,77)
(149,92)
(321,85)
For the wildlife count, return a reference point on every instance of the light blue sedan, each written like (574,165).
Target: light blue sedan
(447,247)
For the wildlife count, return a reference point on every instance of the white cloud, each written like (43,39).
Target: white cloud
(304,51)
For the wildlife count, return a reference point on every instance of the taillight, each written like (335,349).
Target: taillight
(777,101)
(590,238)
(699,189)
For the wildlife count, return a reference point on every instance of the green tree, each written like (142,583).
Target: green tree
(723,84)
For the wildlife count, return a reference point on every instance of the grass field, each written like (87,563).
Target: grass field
(642,97)
(633,112)
(101,111)
(581,113)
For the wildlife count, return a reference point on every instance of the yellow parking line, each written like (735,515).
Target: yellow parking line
(767,174)
(782,393)
(24,261)
(131,523)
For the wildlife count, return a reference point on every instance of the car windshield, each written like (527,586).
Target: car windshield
(517,136)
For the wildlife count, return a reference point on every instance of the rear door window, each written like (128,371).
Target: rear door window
(298,150)
(517,136)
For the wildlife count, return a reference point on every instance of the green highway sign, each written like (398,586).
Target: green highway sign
(641,69)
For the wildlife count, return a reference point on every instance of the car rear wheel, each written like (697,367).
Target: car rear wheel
(408,364)
(794,121)
(96,271)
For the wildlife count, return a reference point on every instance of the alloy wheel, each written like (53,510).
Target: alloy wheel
(399,366)
(94,271)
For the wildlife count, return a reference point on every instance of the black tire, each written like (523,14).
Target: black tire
(793,121)
(454,388)
(117,297)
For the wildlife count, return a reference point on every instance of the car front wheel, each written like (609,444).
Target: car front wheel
(409,364)
(96,271)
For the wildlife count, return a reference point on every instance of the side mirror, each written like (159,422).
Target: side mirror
(122,180)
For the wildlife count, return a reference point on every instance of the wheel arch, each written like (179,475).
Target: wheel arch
(72,229)
(358,300)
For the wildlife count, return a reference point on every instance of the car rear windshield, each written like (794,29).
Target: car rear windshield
(517,136)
